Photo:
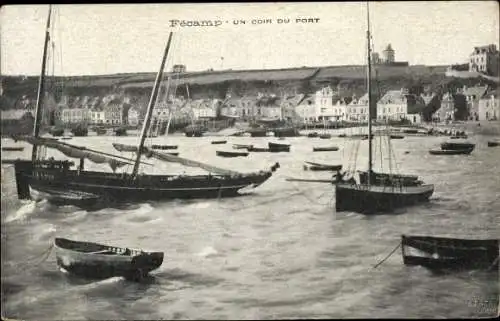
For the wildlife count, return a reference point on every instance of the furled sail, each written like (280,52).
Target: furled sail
(74,151)
(175,159)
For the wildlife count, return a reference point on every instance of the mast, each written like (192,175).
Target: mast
(41,85)
(151,104)
(368,75)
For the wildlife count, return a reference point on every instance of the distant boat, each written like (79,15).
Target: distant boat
(313,135)
(66,138)
(240,146)
(465,151)
(342,135)
(396,136)
(492,143)
(258,132)
(457,146)
(231,154)
(440,253)
(325,149)
(164,147)
(98,261)
(258,149)
(56,131)
(100,131)
(321,167)
(458,137)
(216,142)
(121,131)
(12,149)
(278,147)
(325,136)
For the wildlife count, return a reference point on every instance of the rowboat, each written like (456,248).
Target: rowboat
(313,135)
(216,142)
(325,149)
(278,147)
(12,149)
(325,136)
(396,137)
(492,143)
(457,146)
(231,154)
(241,146)
(321,167)
(437,253)
(98,261)
(258,149)
(465,151)
(163,147)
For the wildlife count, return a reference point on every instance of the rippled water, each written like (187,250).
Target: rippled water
(280,252)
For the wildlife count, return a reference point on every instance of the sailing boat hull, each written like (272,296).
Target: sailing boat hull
(373,199)
(122,188)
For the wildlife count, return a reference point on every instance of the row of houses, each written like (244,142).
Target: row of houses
(326,104)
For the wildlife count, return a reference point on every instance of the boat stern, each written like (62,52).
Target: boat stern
(23,169)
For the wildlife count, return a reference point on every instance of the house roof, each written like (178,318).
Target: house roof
(393,97)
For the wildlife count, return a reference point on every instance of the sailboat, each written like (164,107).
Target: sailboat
(378,192)
(58,181)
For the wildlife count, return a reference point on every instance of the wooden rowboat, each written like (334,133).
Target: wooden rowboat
(325,149)
(492,143)
(163,147)
(465,151)
(321,167)
(217,142)
(98,261)
(12,149)
(241,146)
(438,253)
(231,154)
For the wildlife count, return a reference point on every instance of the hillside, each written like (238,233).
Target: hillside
(348,80)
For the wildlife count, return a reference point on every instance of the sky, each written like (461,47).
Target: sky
(95,39)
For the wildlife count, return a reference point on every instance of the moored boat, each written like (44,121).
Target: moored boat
(163,147)
(12,148)
(396,136)
(457,146)
(325,149)
(442,253)
(325,136)
(98,261)
(241,146)
(217,142)
(321,167)
(258,149)
(313,135)
(492,143)
(465,151)
(231,154)
(279,147)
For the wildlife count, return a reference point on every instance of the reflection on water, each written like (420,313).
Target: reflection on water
(279,252)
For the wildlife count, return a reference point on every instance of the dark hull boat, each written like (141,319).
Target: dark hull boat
(439,253)
(465,151)
(231,154)
(258,149)
(101,131)
(125,188)
(12,149)
(457,146)
(493,143)
(325,136)
(217,142)
(97,261)
(313,135)
(276,147)
(56,131)
(241,146)
(389,179)
(258,132)
(163,147)
(396,137)
(373,199)
(325,149)
(321,167)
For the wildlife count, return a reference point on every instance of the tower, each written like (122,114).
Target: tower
(389,54)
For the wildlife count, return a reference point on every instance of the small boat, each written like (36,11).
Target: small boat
(457,146)
(217,142)
(313,135)
(12,149)
(66,138)
(68,198)
(173,153)
(231,154)
(278,147)
(325,149)
(56,131)
(438,253)
(492,143)
(465,151)
(321,167)
(258,149)
(342,135)
(325,136)
(241,146)
(458,137)
(120,131)
(396,137)
(163,147)
(98,261)
(258,132)
(100,131)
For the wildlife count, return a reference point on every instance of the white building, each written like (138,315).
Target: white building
(133,116)
(306,109)
(97,117)
(329,106)
(485,59)
(489,107)
(357,109)
(393,105)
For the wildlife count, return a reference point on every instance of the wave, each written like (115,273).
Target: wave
(208,251)
(27,209)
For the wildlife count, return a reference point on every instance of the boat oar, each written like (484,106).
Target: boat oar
(389,255)
(291,179)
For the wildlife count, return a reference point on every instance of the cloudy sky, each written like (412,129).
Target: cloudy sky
(104,39)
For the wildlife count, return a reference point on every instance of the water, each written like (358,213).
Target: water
(280,252)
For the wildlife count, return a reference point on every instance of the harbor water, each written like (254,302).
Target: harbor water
(279,252)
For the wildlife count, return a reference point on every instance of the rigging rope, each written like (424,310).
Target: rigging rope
(41,259)
(392,252)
